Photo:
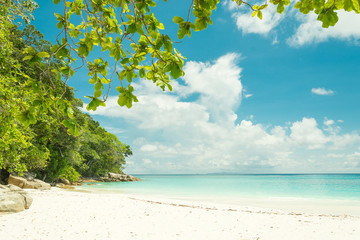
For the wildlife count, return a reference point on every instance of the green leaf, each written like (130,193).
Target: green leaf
(59,25)
(56,1)
(129,76)
(200,24)
(280,8)
(348,6)
(29,57)
(131,28)
(105,80)
(178,20)
(98,86)
(64,70)
(97,93)
(70,112)
(122,100)
(175,71)
(142,73)
(160,26)
(58,16)
(119,89)
(259,14)
(43,54)
(93,80)
(181,33)
(356,4)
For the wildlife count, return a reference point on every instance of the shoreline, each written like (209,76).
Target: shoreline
(73,214)
(326,206)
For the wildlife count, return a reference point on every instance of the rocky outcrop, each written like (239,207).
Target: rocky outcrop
(114,177)
(23,183)
(17,181)
(13,199)
(38,184)
(64,186)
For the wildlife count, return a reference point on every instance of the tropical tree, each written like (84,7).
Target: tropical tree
(34,121)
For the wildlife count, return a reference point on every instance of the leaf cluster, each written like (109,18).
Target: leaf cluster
(128,32)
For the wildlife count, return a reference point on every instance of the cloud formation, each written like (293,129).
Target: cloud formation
(308,30)
(322,91)
(196,130)
(247,24)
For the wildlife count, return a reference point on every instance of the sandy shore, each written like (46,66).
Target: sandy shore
(59,214)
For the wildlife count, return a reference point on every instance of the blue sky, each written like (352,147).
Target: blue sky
(279,95)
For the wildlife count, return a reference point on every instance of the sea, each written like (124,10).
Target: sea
(237,188)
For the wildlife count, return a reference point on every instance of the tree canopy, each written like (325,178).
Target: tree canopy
(34,120)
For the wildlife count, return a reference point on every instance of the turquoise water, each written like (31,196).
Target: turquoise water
(261,186)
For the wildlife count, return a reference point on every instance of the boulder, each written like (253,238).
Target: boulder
(28,201)
(64,181)
(23,183)
(38,184)
(29,185)
(14,188)
(4,188)
(61,185)
(11,202)
(17,181)
(13,199)
(114,177)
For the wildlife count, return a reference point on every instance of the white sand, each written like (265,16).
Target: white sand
(59,214)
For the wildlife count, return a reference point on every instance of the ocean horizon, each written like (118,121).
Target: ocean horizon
(235,188)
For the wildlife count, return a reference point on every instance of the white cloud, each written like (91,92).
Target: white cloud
(275,41)
(311,31)
(306,133)
(173,135)
(247,24)
(219,86)
(148,148)
(308,30)
(322,91)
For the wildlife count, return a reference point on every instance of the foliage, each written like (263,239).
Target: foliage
(34,120)
(102,151)
(16,89)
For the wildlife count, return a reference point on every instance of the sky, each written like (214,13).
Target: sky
(278,95)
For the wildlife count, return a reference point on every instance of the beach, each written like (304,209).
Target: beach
(63,214)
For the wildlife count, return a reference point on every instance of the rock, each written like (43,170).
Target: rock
(12,202)
(29,185)
(61,185)
(23,183)
(14,188)
(28,201)
(38,184)
(17,181)
(114,177)
(4,188)
(64,181)
(14,199)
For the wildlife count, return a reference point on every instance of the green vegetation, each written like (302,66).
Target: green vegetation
(37,110)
